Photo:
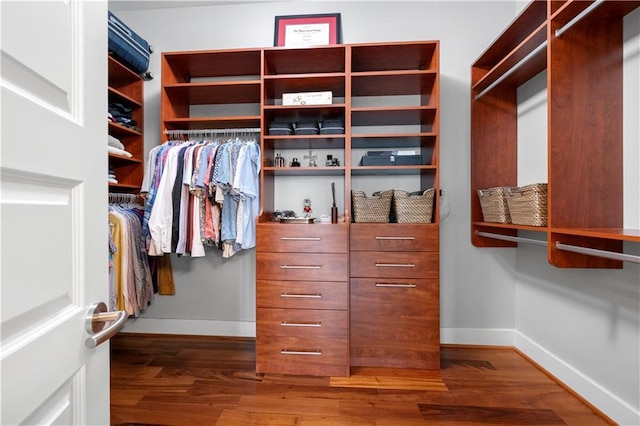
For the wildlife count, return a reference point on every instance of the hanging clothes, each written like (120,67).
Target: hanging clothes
(131,288)
(202,193)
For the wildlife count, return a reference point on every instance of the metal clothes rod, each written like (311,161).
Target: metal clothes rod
(512,239)
(123,198)
(195,132)
(512,69)
(600,253)
(578,17)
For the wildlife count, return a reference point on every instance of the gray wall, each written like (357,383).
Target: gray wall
(583,326)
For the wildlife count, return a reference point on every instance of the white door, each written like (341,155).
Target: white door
(54,223)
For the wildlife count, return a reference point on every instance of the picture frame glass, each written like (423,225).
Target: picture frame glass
(307,30)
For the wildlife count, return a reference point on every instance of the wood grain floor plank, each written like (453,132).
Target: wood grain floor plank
(291,406)
(380,409)
(385,382)
(160,416)
(489,415)
(243,418)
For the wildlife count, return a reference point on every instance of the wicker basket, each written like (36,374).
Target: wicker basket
(413,208)
(494,205)
(373,209)
(528,204)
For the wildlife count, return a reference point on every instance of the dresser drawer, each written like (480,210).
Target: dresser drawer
(302,323)
(302,238)
(302,294)
(394,264)
(373,351)
(297,355)
(301,266)
(394,298)
(394,237)
(402,331)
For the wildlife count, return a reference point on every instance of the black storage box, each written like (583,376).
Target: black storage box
(306,128)
(332,127)
(280,129)
(391,160)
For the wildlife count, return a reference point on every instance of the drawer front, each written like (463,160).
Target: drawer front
(301,266)
(395,325)
(302,238)
(394,264)
(394,237)
(296,355)
(302,294)
(371,351)
(302,323)
(394,298)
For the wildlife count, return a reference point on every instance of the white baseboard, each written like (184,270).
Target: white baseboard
(618,410)
(190,327)
(612,406)
(478,336)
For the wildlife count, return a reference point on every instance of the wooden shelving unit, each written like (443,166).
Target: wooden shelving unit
(127,87)
(305,316)
(579,44)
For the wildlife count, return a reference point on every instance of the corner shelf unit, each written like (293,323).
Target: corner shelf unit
(127,87)
(579,44)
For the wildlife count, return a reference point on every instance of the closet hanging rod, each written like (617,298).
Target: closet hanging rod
(511,238)
(578,17)
(126,198)
(599,253)
(512,69)
(212,131)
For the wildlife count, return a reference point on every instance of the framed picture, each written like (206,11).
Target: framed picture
(307,30)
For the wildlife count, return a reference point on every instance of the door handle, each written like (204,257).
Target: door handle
(95,321)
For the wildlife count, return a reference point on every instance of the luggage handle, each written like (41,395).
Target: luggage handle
(119,25)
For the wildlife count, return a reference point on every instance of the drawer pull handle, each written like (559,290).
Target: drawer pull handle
(408,285)
(300,266)
(301,296)
(301,238)
(395,265)
(300,324)
(288,352)
(394,238)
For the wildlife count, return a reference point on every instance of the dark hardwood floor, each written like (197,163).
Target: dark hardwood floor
(193,380)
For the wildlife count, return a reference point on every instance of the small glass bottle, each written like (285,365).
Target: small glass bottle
(279,161)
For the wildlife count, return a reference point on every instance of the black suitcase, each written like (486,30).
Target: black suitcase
(128,47)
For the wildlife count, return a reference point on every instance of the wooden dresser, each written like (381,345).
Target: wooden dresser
(395,300)
(302,299)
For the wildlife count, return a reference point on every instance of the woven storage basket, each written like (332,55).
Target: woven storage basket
(528,204)
(413,208)
(373,209)
(494,205)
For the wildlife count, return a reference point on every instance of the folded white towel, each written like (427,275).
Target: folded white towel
(119,151)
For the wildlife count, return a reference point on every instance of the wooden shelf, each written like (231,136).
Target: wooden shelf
(620,234)
(305,171)
(215,93)
(212,122)
(122,130)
